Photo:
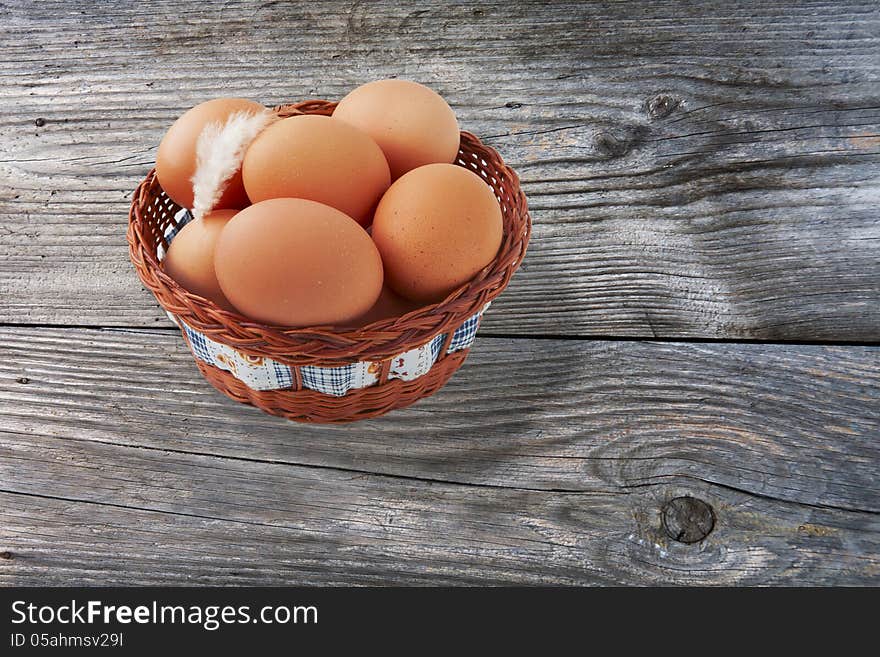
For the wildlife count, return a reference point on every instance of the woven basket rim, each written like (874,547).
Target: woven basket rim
(331,345)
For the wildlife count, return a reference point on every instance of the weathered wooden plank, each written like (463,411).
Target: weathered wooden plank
(113,515)
(705,173)
(796,423)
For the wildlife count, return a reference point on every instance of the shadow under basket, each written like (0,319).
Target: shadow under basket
(325,373)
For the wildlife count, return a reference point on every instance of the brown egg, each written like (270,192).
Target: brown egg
(412,123)
(320,159)
(294,262)
(388,305)
(436,228)
(176,158)
(190,258)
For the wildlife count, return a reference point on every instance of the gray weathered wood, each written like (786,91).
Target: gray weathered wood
(318,527)
(707,171)
(703,172)
(800,423)
(542,461)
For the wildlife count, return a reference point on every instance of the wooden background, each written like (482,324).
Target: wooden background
(698,315)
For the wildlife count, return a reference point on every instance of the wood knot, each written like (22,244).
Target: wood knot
(815,530)
(661,105)
(687,519)
(40,122)
(23,379)
(612,146)
(6,555)
(512,105)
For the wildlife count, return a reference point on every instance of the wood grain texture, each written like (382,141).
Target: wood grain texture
(800,423)
(542,461)
(330,529)
(695,171)
(707,171)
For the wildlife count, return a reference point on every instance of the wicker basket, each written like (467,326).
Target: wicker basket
(153,220)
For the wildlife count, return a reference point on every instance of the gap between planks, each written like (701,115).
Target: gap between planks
(598,337)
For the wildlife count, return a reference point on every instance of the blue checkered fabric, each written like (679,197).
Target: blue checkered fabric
(465,334)
(283,375)
(199,346)
(182,218)
(336,381)
(436,346)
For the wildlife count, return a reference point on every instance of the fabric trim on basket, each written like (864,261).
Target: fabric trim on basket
(259,373)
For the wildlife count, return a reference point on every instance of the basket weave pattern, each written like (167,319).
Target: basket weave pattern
(153,213)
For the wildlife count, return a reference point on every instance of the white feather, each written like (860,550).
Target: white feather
(219,152)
